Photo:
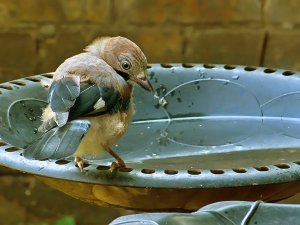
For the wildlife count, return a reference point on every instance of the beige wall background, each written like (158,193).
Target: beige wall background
(37,35)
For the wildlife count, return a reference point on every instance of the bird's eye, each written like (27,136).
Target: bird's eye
(126,65)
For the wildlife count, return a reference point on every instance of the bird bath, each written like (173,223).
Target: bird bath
(225,213)
(212,133)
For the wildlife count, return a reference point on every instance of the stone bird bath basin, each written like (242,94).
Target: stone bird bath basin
(213,133)
(225,213)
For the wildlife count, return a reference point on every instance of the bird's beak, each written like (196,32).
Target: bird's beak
(143,81)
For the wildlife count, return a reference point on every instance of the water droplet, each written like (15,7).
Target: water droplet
(27,116)
(157,91)
(163,89)
(148,127)
(151,75)
(154,154)
(202,75)
(163,139)
(164,133)
(235,77)
(179,99)
(35,130)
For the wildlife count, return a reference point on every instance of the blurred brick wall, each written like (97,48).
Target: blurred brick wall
(26,201)
(36,36)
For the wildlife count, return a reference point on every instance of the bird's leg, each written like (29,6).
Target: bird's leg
(80,162)
(119,164)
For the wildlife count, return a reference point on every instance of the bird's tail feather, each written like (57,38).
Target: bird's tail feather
(59,142)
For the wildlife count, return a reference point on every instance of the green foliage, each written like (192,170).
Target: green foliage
(67,220)
(38,224)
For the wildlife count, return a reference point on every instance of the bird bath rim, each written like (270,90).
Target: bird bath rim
(11,156)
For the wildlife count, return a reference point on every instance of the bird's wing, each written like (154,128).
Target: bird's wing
(63,93)
(72,96)
(62,96)
(59,142)
(96,99)
(70,99)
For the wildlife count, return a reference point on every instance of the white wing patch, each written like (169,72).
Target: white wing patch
(99,104)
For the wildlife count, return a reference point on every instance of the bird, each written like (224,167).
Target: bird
(90,102)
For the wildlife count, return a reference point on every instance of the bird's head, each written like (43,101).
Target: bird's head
(125,57)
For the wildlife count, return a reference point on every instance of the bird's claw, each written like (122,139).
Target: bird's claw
(115,165)
(80,162)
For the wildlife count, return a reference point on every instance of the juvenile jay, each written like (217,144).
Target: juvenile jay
(90,102)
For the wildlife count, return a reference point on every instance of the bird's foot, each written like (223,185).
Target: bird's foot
(80,162)
(115,165)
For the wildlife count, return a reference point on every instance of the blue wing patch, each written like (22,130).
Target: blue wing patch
(63,93)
